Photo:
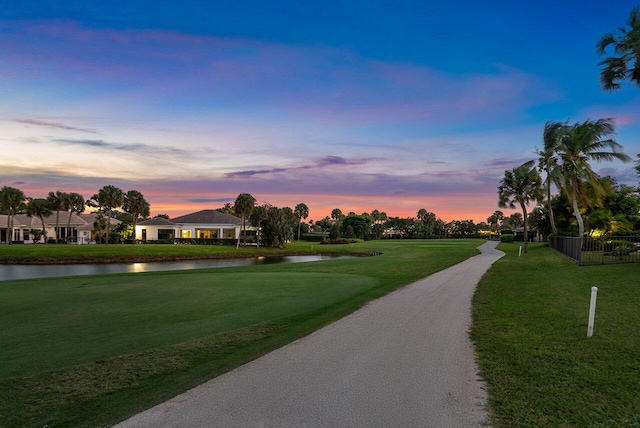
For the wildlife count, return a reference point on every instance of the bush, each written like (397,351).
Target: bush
(506,238)
(619,247)
(338,241)
(311,237)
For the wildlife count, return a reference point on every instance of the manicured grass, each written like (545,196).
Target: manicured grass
(530,325)
(90,351)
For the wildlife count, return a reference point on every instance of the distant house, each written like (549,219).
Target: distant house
(79,230)
(156,229)
(205,224)
(532,232)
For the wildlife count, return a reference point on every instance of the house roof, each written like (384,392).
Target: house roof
(158,221)
(208,217)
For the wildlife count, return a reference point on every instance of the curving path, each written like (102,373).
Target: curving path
(404,360)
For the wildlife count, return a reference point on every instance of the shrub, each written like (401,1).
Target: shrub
(338,241)
(619,247)
(506,238)
(311,237)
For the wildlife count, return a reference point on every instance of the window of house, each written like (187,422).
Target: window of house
(165,233)
(207,233)
(25,235)
(229,233)
(185,234)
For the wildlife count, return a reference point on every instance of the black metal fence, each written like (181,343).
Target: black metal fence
(603,250)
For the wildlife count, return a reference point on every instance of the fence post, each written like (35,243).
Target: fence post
(592,310)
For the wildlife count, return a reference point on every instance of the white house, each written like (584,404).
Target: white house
(205,224)
(80,229)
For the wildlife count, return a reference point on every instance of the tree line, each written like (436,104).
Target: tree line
(597,204)
(106,202)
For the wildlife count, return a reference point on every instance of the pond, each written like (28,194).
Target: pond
(8,272)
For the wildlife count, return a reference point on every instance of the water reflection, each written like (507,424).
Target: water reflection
(44,271)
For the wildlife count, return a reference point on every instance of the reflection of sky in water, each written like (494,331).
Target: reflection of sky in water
(43,271)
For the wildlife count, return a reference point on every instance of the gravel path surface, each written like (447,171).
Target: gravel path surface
(404,360)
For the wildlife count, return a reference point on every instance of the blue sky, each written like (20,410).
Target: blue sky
(394,106)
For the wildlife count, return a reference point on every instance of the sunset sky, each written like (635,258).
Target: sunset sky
(358,105)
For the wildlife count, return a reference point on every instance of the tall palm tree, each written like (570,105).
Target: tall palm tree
(39,207)
(74,203)
(243,206)
(520,186)
(626,45)
(301,211)
(136,205)
(107,200)
(12,201)
(259,215)
(548,161)
(336,214)
(581,143)
(57,203)
(494,220)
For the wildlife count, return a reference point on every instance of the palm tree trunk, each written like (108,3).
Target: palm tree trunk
(135,221)
(69,227)
(108,228)
(10,228)
(576,210)
(44,230)
(57,224)
(299,226)
(526,232)
(551,217)
(238,243)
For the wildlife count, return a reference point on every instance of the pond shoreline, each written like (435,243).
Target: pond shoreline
(158,258)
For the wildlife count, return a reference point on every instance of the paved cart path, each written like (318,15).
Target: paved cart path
(404,360)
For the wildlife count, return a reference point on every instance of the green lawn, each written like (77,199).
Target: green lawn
(90,351)
(530,325)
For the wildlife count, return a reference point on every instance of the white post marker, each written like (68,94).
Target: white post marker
(520,251)
(592,310)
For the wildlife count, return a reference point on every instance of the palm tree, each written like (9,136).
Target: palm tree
(74,203)
(494,220)
(626,45)
(301,211)
(520,186)
(580,143)
(12,201)
(324,224)
(548,161)
(107,200)
(136,205)
(243,206)
(56,203)
(336,214)
(515,220)
(39,207)
(259,215)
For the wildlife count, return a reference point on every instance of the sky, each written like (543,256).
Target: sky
(357,105)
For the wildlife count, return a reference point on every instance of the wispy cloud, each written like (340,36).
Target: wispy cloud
(146,148)
(207,200)
(506,163)
(320,163)
(54,125)
(320,83)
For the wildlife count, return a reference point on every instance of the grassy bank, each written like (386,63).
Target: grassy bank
(90,351)
(62,253)
(530,324)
